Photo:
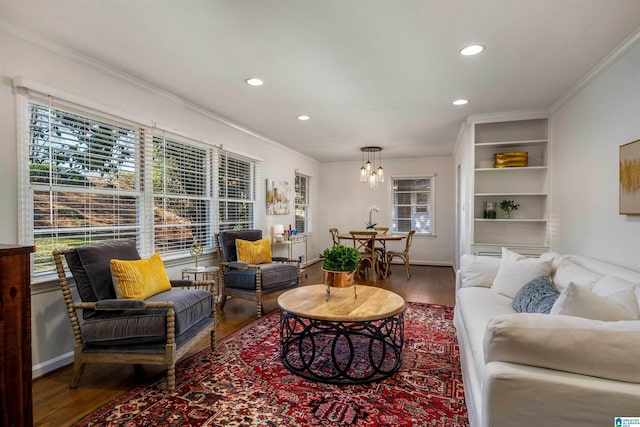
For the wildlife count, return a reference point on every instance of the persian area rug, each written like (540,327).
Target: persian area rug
(242,382)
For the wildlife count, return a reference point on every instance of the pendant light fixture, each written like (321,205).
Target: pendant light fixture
(368,172)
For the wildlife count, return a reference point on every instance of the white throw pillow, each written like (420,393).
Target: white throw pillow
(517,270)
(579,301)
(609,284)
(565,343)
(478,270)
(568,271)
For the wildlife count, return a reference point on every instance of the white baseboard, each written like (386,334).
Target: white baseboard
(432,263)
(51,365)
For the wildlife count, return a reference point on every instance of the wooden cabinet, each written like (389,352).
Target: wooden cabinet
(526,231)
(15,335)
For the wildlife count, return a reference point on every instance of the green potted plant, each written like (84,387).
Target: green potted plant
(508,206)
(339,264)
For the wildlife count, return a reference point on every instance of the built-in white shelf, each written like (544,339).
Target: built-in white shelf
(527,231)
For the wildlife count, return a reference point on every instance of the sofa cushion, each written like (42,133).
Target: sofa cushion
(478,305)
(121,327)
(227,240)
(139,279)
(91,269)
(537,296)
(610,284)
(582,302)
(478,270)
(568,271)
(561,343)
(254,252)
(517,270)
(275,276)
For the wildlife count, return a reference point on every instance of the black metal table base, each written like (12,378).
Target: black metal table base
(341,352)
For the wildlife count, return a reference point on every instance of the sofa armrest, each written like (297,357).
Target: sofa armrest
(565,343)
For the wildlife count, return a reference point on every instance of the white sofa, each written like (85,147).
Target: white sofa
(523,369)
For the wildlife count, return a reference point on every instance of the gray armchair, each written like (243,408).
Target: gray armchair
(158,330)
(249,281)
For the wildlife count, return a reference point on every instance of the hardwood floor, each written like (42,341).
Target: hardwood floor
(56,405)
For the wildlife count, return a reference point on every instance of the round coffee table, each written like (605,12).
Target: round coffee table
(341,339)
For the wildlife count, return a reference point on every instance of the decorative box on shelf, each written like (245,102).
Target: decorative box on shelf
(511,159)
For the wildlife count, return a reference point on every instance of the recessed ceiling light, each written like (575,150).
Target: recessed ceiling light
(254,82)
(473,49)
(460,102)
(303,117)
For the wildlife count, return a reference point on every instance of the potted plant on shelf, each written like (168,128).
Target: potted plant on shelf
(508,206)
(339,264)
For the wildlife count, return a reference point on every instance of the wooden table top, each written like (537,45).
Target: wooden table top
(379,236)
(311,302)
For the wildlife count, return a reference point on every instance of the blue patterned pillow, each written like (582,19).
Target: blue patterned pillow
(537,296)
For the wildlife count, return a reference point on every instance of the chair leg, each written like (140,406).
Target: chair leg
(407,267)
(171,377)
(78,367)
(222,302)
(259,309)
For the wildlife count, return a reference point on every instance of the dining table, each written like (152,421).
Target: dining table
(383,238)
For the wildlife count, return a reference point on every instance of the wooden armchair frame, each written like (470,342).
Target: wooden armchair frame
(259,296)
(171,353)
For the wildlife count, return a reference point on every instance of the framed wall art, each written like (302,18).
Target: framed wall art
(278,196)
(630,178)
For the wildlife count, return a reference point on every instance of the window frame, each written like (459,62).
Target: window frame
(305,206)
(142,175)
(223,191)
(430,194)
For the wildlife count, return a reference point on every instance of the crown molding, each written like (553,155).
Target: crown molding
(600,68)
(115,72)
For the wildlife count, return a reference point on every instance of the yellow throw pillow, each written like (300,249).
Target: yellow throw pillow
(139,279)
(257,252)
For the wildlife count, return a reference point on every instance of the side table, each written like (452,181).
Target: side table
(207,273)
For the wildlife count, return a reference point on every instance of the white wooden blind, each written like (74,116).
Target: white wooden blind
(302,203)
(83,171)
(237,193)
(182,193)
(413,204)
(90,176)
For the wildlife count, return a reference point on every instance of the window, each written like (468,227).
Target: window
(413,205)
(90,176)
(236,192)
(181,194)
(82,180)
(302,203)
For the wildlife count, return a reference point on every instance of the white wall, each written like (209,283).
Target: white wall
(345,201)
(463,159)
(51,332)
(587,132)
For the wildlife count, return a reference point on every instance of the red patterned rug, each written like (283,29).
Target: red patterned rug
(243,383)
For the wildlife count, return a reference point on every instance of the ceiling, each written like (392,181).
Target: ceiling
(367,72)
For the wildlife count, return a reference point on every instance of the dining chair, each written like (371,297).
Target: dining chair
(404,254)
(381,248)
(364,242)
(334,236)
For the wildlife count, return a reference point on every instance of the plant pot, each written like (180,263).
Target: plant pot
(339,279)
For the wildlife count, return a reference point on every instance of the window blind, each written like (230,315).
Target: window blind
(82,178)
(301,203)
(87,176)
(182,193)
(237,177)
(413,204)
